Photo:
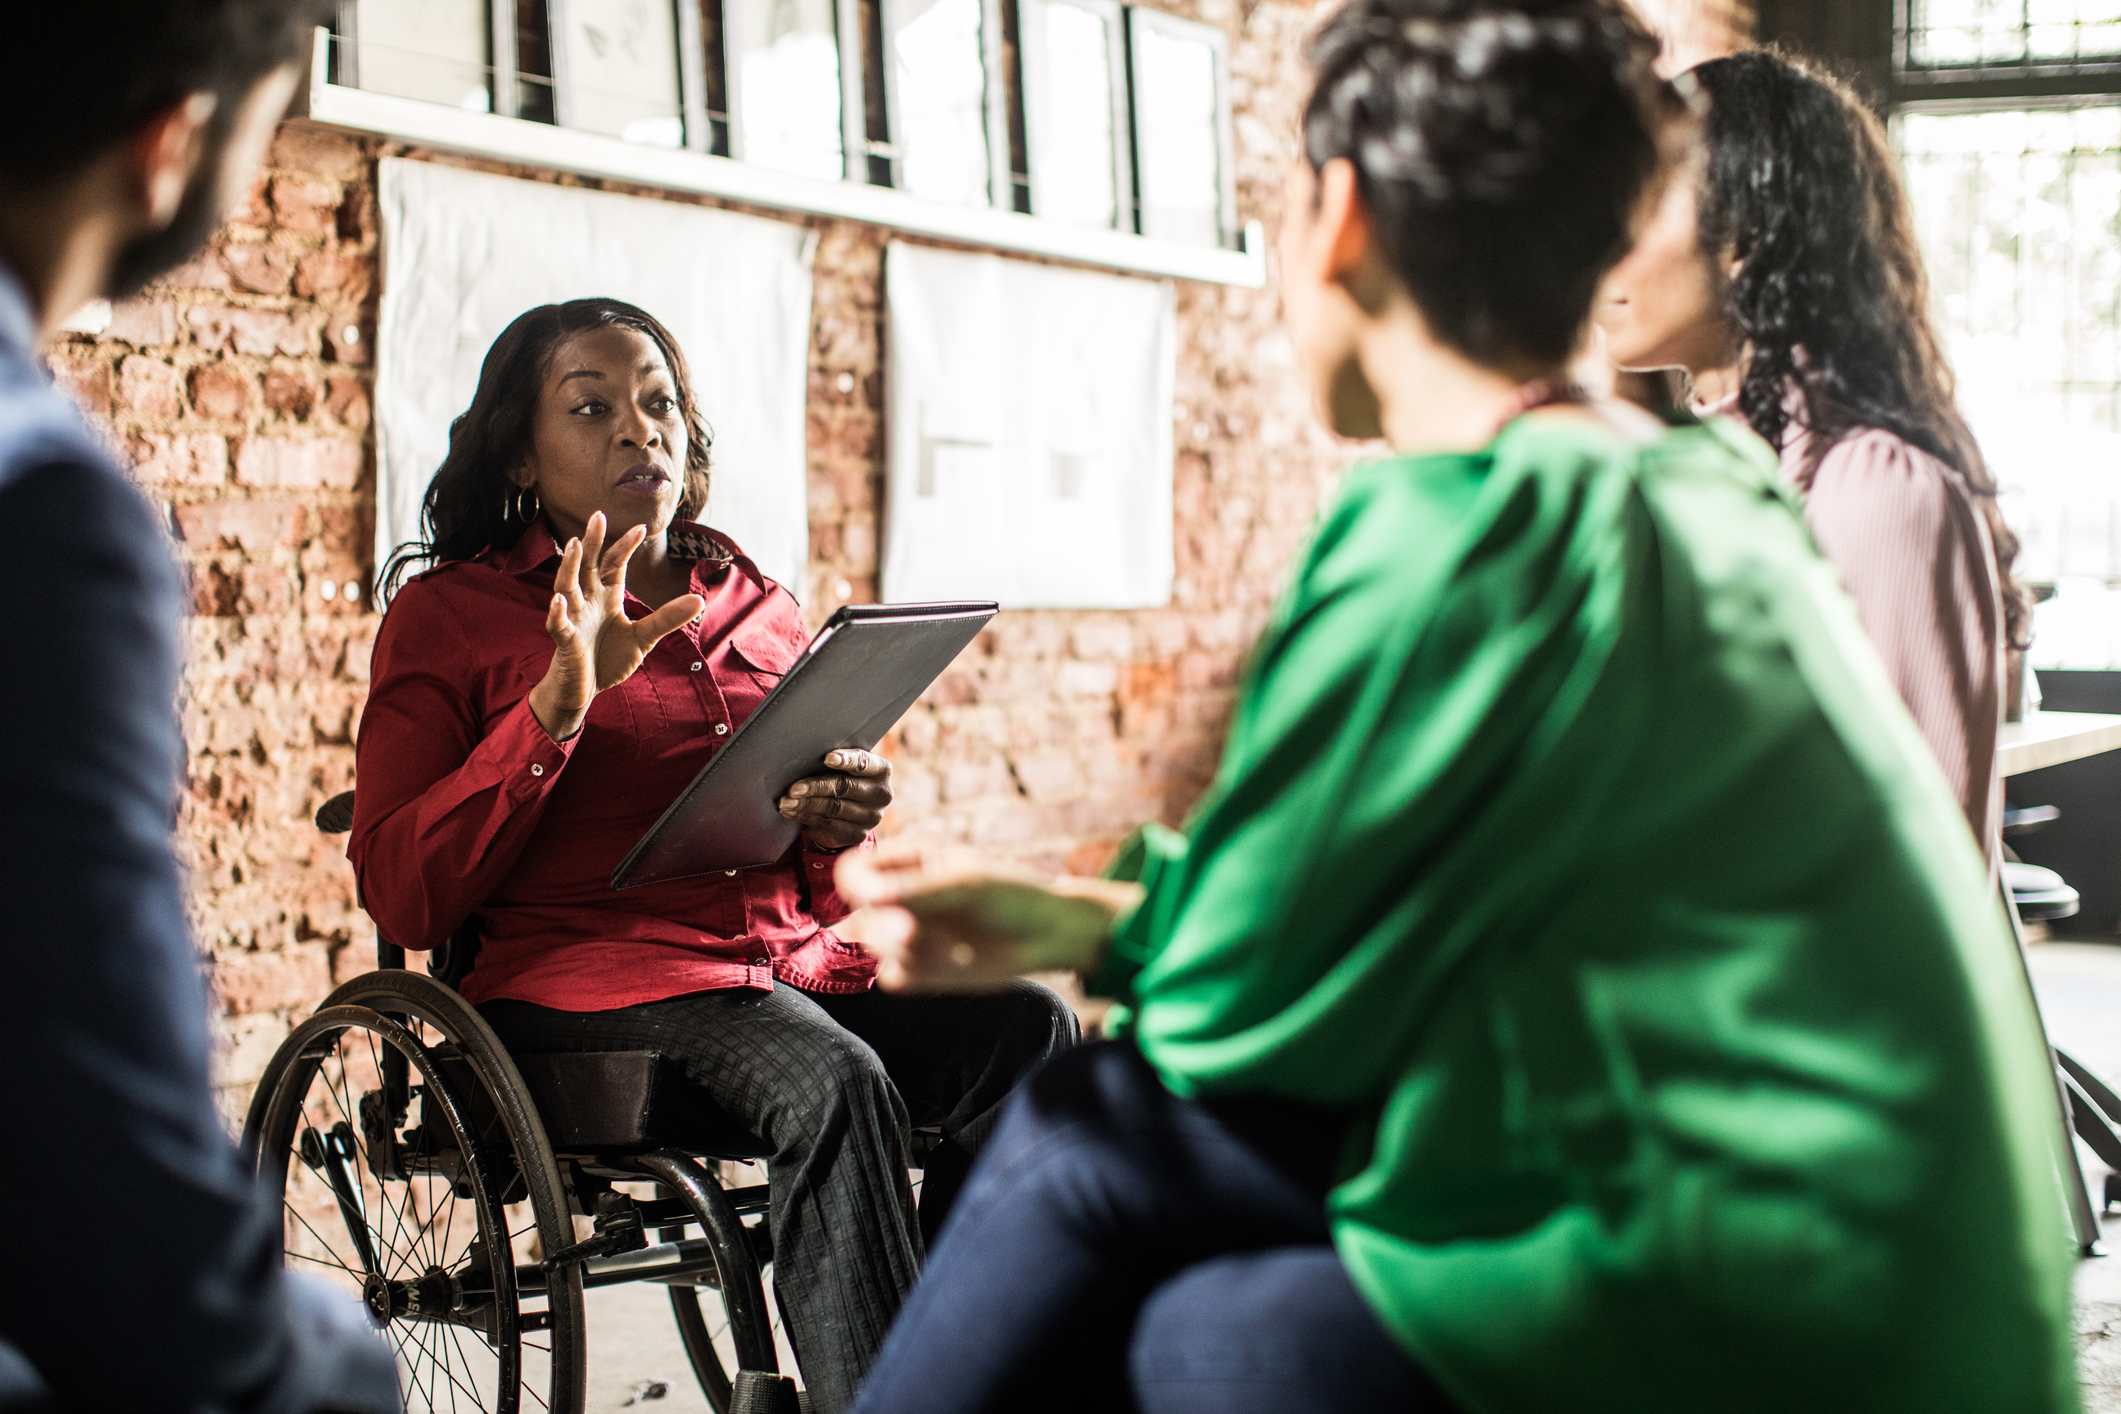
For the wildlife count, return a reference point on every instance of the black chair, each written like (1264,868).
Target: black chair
(437,1176)
(2040,895)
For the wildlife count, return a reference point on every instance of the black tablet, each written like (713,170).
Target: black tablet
(851,685)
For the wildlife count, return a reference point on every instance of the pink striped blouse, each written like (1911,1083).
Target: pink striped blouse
(1914,551)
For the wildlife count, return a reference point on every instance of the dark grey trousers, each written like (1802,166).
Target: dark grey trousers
(833,1084)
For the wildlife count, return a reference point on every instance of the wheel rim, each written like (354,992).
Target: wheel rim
(408,1217)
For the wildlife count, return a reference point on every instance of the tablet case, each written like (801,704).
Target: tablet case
(856,679)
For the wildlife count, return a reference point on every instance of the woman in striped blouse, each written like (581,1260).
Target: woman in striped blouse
(1785,281)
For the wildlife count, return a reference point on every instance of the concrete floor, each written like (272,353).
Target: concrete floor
(636,1363)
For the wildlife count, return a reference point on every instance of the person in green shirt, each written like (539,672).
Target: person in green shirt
(1578,989)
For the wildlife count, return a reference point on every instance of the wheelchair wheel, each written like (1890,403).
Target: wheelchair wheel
(415,1175)
(704,1322)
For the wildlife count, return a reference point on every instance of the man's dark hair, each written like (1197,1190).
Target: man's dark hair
(77,75)
(1501,150)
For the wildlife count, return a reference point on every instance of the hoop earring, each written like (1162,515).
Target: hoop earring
(512,505)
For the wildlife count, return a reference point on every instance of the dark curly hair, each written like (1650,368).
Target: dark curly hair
(1501,148)
(1830,297)
(470,505)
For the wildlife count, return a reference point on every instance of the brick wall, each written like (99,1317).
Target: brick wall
(240,390)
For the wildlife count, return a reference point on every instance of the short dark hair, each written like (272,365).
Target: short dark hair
(77,75)
(1502,150)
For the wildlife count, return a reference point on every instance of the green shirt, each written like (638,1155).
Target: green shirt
(1571,840)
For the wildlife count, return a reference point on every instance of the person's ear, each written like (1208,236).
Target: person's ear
(1343,222)
(165,153)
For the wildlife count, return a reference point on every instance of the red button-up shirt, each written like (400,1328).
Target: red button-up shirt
(466,810)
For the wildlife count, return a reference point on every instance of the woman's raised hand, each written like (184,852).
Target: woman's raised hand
(594,645)
(953,930)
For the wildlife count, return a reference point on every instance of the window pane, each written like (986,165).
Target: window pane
(434,50)
(1960,33)
(1074,175)
(2019,211)
(1177,112)
(784,61)
(618,69)
(939,96)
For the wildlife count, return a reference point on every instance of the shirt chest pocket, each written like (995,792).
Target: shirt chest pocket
(754,661)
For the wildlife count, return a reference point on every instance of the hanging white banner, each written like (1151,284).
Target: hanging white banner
(1030,414)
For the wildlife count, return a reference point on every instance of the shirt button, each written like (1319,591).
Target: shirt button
(697,666)
(729,873)
(537,769)
(721,729)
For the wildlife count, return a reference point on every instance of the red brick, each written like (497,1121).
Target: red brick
(346,400)
(236,589)
(318,152)
(300,462)
(347,340)
(335,270)
(291,392)
(86,380)
(145,323)
(253,982)
(261,332)
(149,390)
(224,392)
(253,526)
(1077,679)
(188,459)
(262,267)
(1049,775)
(304,204)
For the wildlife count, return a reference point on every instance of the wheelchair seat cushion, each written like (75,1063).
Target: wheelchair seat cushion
(595,1102)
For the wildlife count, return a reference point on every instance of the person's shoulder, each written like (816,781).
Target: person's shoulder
(73,513)
(433,603)
(1876,478)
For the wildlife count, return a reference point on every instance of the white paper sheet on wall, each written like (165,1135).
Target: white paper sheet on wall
(1030,416)
(466,252)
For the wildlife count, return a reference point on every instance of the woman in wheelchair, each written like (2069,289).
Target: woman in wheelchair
(574,648)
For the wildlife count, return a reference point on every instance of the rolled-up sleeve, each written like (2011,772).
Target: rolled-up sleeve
(443,804)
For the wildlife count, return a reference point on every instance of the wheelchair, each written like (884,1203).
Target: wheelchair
(436,1178)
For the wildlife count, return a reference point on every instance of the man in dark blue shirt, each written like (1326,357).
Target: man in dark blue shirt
(142,1266)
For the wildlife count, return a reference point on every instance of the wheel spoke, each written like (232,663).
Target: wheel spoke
(321,1238)
(451,1331)
(413,1369)
(336,1266)
(444,1368)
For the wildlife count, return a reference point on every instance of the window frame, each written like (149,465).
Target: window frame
(704,166)
(993,104)
(1037,82)
(1994,83)
(1218,42)
(846,21)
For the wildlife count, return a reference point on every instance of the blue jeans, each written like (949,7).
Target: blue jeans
(1117,1248)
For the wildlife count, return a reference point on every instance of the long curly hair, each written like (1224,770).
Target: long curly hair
(1829,296)
(472,505)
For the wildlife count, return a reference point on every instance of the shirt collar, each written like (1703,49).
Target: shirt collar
(710,550)
(18,324)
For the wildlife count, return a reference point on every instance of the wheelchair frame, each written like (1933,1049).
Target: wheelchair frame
(467,1076)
